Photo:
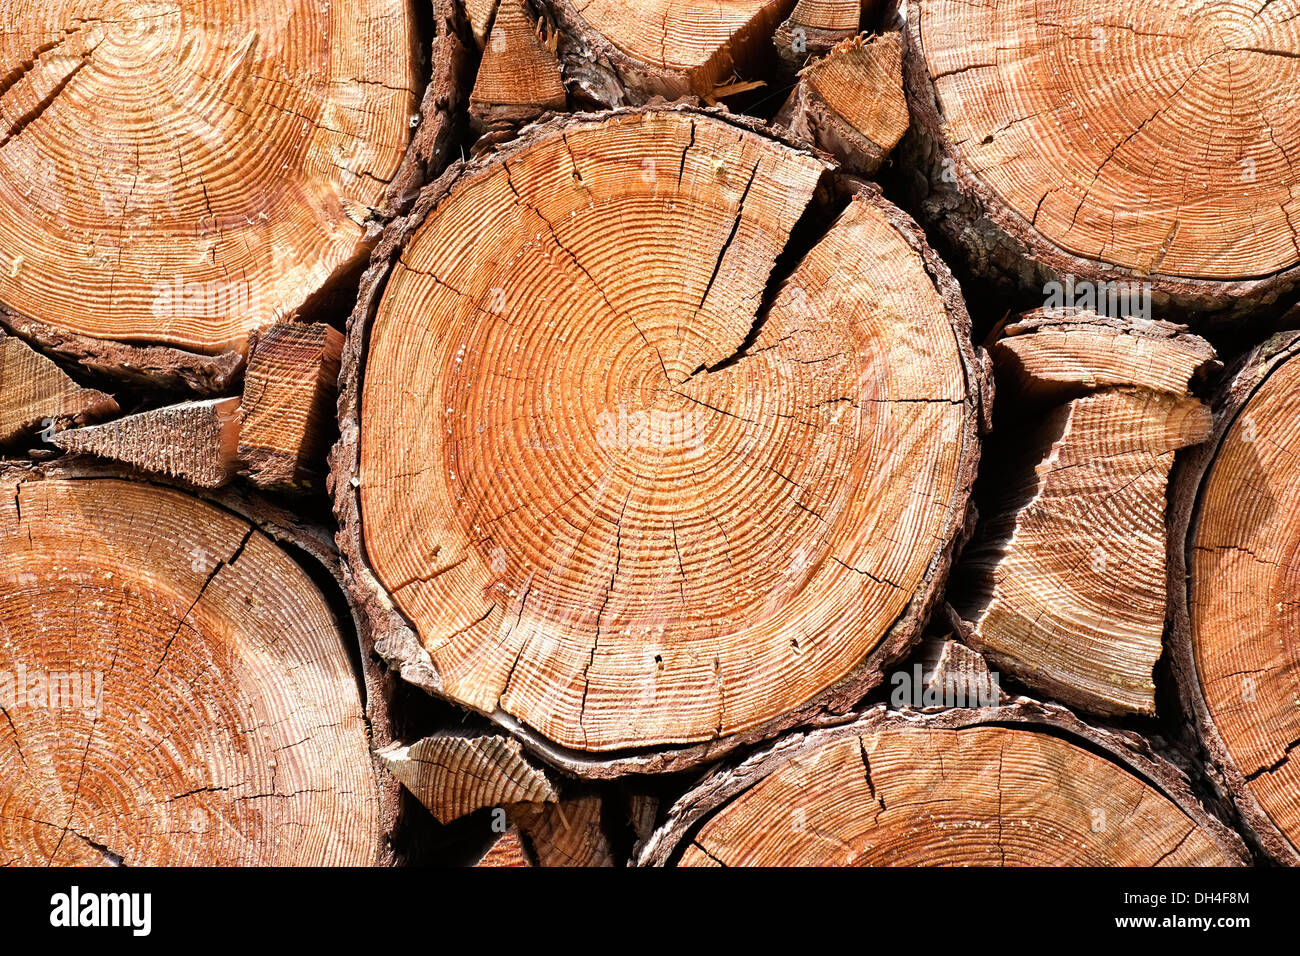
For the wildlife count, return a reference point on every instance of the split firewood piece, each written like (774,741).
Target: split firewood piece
(519,76)
(1233,588)
(851,103)
(507,850)
(814,26)
(1021,785)
(568,833)
(35,393)
(196,442)
(183,177)
(155,368)
(1174,174)
(287,415)
(1067,572)
(175,688)
(684,510)
(947,674)
(626,52)
(454,776)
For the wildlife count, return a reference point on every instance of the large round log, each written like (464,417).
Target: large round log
(607,480)
(175,687)
(1021,785)
(1127,142)
(1234,576)
(182,174)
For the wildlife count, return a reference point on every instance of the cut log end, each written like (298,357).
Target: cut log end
(850,103)
(175,688)
(1036,170)
(288,408)
(1019,786)
(1233,578)
(37,395)
(621,53)
(705,474)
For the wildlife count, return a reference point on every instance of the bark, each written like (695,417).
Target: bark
(206,709)
(571,653)
(1023,784)
(1034,172)
(1231,584)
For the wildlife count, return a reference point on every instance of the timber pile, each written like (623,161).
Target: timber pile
(519,433)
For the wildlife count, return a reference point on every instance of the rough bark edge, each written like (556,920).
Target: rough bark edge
(298,537)
(160,367)
(1128,751)
(1245,378)
(396,639)
(440,120)
(1001,244)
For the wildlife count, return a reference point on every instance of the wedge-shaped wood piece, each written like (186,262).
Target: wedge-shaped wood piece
(175,688)
(568,833)
(1112,143)
(186,176)
(288,409)
(35,394)
(1021,785)
(850,103)
(1234,581)
(629,497)
(507,850)
(626,52)
(1067,574)
(454,776)
(196,442)
(519,75)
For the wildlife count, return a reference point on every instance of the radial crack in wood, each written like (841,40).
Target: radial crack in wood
(1066,577)
(850,103)
(175,688)
(639,501)
(617,52)
(1234,578)
(454,776)
(1132,142)
(35,394)
(1021,785)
